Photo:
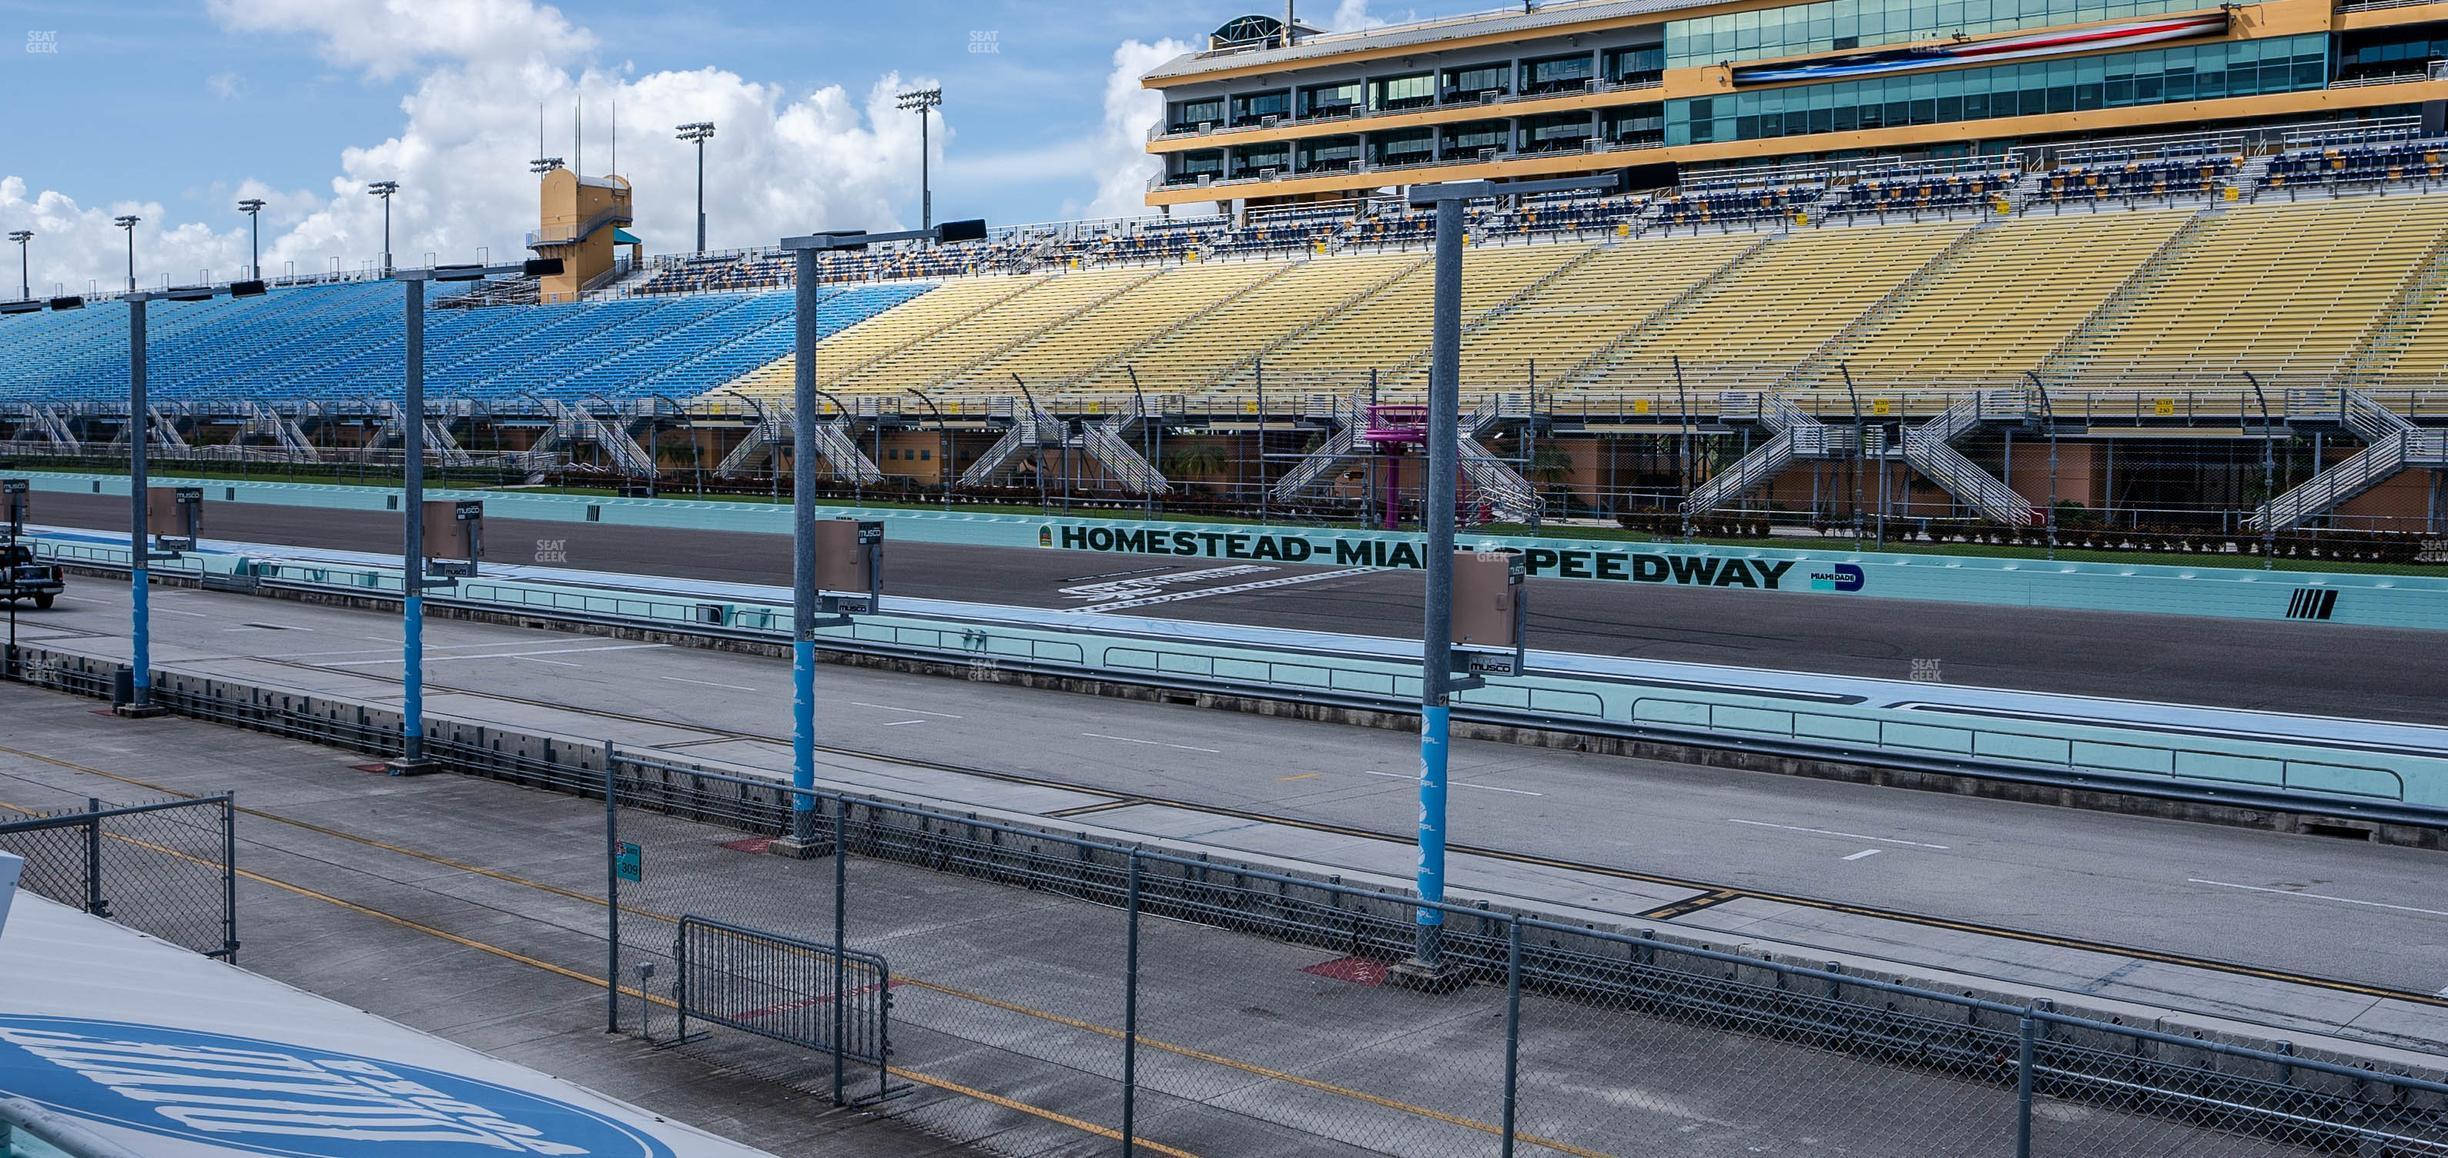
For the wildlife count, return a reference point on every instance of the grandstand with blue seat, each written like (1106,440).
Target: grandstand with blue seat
(343,342)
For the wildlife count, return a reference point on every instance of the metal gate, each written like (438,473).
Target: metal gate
(804,993)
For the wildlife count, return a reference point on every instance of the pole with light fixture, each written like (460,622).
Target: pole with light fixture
(922,101)
(1439,658)
(141,534)
(804,595)
(127,221)
(385,190)
(253,207)
(25,267)
(698,131)
(412,759)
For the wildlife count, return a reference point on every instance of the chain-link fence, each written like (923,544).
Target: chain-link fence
(168,868)
(1035,993)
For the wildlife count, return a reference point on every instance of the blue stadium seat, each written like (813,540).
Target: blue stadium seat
(343,343)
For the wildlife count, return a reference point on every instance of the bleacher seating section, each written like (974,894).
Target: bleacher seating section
(2277,289)
(2167,283)
(343,342)
(1704,206)
(2128,178)
(2006,302)
(1776,309)
(2358,164)
(1911,194)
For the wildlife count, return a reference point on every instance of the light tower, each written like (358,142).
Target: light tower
(698,131)
(384,190)
(127,221)
(25,276)
(253,208)
(921,101)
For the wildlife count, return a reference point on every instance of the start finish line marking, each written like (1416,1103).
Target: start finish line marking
(1231,589)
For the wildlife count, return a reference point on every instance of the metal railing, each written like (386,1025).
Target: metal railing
(800,992)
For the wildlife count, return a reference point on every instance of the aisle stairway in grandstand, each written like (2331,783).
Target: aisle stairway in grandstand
(1585,307)
(1193,356)
(1390,329)
(1051,301)
(1120,325)
(2003,304)
(2287,291)
(1765,316)
(887,333)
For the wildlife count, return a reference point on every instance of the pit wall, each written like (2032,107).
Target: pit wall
(2317,598)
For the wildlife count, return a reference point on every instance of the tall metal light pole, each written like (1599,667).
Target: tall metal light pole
(698,131)
(140,531)
(253,208)
(804,251)
(384,190)
(25,268)
(1427,966)
(922,101)
(412,494)
(127,221)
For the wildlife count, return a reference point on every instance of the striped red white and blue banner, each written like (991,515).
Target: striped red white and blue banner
(2039,44)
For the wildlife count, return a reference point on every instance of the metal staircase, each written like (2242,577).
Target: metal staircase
(2391,444)
(573,425)
(441,444)
(1106,442)
(1509,496)
(1349,415)
(835,446)
(762,439)
(1797,436)
(1927,450)
(46,419)
(1005,453)
(264,422)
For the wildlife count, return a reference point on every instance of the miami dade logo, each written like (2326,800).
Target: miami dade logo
(261,1097)
(1045,536)
(1836,577)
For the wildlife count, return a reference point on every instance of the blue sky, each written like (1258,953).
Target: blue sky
(174,109)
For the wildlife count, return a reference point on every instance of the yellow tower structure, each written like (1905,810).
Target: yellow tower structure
(580,221)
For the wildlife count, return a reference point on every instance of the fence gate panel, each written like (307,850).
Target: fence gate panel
(806,993)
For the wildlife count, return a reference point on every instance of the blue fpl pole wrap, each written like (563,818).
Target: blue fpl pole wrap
(1434,725)
(803,555)
(140,537)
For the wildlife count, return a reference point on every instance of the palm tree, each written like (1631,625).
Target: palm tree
(1194,460)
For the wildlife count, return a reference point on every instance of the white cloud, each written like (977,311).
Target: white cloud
(225,85)
(1122,163)
(388,38)
(780,161)
(1352,16)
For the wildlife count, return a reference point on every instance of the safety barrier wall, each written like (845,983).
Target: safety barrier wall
(2385,783)
(2375,600)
